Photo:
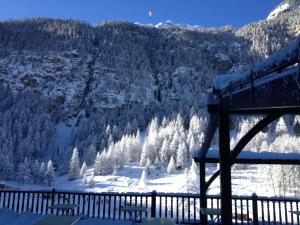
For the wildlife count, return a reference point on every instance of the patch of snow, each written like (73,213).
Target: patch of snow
(244,182)
(278,10)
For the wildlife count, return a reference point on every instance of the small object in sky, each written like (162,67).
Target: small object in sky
(150,13)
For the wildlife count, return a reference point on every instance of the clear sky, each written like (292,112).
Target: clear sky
(208,13)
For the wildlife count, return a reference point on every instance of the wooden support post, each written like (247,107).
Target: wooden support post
(153,204)
(203,198)
(225,169)
(254,209)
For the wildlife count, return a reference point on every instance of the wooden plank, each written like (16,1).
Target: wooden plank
(157,221)
(134,208)
(210,211)
(61,220)
(297,213)
(64,206)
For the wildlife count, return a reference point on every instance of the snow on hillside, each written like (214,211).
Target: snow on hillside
(278,10)
(161,160)
(244,182)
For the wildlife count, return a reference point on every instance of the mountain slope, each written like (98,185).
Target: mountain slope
(286,5)
(120,73)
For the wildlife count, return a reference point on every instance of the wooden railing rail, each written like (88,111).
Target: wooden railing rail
(181,207)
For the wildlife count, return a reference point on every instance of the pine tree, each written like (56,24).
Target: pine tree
(144,154)
(91,180)
(143,178)
(97,164)
(42,173)
(194,176)
(85,181)
(171,167)
(147,167)
(165,153)
(74,168)
(296,129)
(186,185)
(90,154)
(35,171)
(181,159)
(84,169)
(50,177)
(24,172)
(281,127)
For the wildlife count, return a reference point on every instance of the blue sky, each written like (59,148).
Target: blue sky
(208,13)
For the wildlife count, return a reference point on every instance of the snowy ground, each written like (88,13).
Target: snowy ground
(8,217)
(244,182)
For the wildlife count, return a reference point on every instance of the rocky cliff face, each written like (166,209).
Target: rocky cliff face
(128,72)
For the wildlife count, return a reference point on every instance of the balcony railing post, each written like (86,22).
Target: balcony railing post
(153,203)
(52,199)
(254,209)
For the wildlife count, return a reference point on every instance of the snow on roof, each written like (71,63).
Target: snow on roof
(286,56)
(264,155)
(224,80)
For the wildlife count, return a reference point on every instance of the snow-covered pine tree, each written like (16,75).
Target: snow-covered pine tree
(181,159)
(111,159)
(281,127)
(147,167)
(144,154)
(171,167)
(164,122)
(143,179)
(91,180)
(128,129)
(85,180)
(116,132)
(50,176)
(110,140)
(115,172)
(296,128)
(174,144)
(83,169)
(194,176)
(107,131)
(6,167)
(74,167)
(97,164)
(192,144)
(35,171)
(165,153)
(24,172)
(90,154)
(186,184)
(42,173)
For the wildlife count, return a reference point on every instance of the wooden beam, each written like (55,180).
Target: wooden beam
(258,161)
(225,169)
(269,95)
(203,197)
(244,141)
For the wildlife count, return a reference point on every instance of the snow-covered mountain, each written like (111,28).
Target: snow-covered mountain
(286,5)
(118,73)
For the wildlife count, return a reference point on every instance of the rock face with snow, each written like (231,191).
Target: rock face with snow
(283,7)
(118,72)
